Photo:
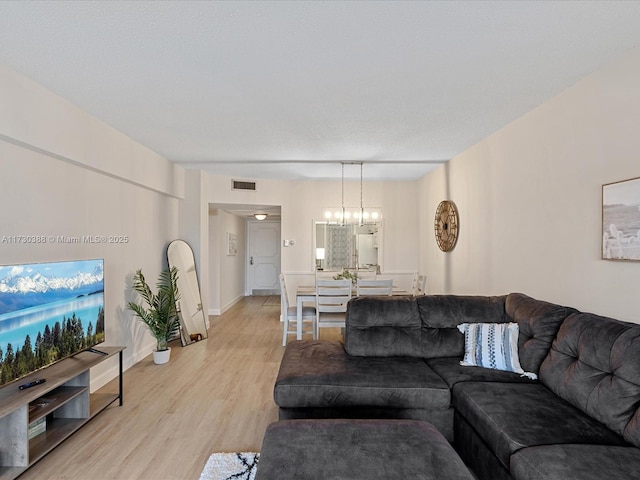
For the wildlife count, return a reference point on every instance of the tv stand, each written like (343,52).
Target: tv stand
(61,406)
(95,350)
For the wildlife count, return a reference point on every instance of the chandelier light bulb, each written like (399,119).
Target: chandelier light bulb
(347,215)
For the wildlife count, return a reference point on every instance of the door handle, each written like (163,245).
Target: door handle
(250,260)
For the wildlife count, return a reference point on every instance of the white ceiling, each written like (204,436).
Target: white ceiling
(286,89)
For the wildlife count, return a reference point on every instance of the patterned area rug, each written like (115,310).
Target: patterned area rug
(231,466)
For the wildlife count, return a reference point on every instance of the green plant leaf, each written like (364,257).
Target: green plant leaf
(160,314)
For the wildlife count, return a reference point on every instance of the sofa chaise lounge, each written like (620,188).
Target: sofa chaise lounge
(401,358)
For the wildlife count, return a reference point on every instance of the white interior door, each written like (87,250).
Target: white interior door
(263,258)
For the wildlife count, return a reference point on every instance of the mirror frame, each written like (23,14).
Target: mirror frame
(187,337)
(315,223)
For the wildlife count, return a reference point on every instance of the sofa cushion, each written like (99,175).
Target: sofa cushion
(383,327)
(441,419)
(357,449)
(594,364)
(452,372)
(492,345)
(538,322)
(441,314)
(576,462)
(511,416)
(475,453)
(321,374)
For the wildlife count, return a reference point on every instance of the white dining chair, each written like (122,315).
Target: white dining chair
(367,274)
(332,297)
(419,284)
(378,286)
(290,314)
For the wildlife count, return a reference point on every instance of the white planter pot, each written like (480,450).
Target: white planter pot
(161,357)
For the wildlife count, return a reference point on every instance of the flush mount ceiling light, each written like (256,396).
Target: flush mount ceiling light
(260,216)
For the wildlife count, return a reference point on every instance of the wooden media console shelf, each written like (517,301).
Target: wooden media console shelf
(35,420)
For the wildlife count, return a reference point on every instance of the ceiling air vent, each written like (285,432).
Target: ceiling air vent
(240,185)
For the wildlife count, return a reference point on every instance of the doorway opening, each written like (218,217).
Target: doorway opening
(244,253)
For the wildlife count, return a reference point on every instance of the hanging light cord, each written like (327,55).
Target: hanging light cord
(342,221)
(361,203)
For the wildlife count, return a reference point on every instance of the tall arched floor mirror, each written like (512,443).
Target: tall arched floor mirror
(193,326)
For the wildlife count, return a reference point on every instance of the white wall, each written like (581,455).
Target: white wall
(227,272)
(62,172)
(529,199)
(194,228)
(302,202)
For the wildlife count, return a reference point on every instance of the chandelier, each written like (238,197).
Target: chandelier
(352,215)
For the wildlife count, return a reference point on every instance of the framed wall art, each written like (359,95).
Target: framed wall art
(232,243)
(621,220)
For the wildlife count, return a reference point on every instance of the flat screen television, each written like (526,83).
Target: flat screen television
(48,312)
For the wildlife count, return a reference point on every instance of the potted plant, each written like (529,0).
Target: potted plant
(160,315)
(347,275)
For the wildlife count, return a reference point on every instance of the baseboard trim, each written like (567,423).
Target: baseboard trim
(102,378)
(220,311)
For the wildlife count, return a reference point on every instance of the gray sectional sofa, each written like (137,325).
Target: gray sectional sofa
(580,419)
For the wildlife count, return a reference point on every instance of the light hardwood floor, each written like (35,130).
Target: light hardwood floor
(213,396)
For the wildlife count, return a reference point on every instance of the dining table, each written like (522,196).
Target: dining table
(307,294)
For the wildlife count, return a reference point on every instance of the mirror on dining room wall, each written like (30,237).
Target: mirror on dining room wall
(349,246)
(193,326)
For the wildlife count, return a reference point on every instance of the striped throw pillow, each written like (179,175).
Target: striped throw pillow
(492,345)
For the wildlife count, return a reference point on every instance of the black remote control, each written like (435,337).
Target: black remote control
(32,384)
